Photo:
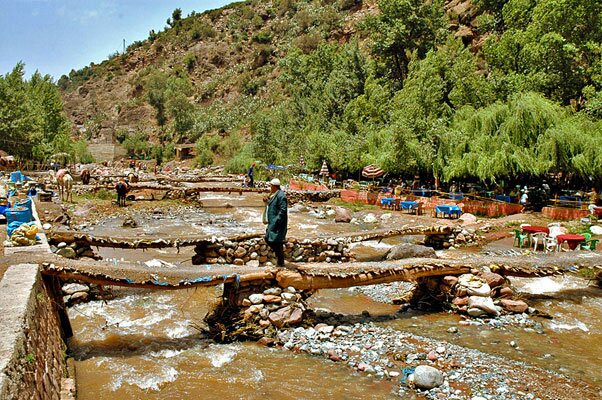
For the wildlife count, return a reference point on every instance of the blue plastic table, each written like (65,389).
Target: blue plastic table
(448,210)
(387,201)
(407,205)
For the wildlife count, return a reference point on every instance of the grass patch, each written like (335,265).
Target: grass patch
(352,206)
(101,194)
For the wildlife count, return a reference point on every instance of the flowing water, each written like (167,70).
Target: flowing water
(146,344)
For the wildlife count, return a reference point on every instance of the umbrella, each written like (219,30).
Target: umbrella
(372,171)
(324,170)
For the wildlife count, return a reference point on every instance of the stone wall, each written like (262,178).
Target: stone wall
(32,351)
(255,252)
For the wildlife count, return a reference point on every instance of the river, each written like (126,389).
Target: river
(147,344)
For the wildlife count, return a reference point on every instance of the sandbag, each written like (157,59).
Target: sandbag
(24,235)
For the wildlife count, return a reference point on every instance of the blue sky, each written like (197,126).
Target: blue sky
(55,36)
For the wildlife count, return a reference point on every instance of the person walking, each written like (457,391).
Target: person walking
(275,216)
(250,174)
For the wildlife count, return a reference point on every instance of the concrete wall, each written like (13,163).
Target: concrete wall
(32,351)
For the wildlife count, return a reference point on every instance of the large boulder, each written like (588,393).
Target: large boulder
(66,252)
(473,285)
(492,279)
(286,316)
(370,218)
(409,250)
(515,306)
(483,303)
(72,288)
(467,219)
(343,214)
(427,377)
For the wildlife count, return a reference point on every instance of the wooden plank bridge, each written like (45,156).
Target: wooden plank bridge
(309,276)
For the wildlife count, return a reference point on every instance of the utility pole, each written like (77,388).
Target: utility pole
(123,46)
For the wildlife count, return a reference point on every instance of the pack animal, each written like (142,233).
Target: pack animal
(121,189)
(64,181)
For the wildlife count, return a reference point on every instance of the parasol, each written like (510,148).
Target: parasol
(372,171)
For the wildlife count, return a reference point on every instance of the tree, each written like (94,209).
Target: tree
(405,29)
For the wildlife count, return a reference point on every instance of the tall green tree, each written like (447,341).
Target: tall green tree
(405,29)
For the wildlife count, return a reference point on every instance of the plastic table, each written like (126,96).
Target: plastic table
(408,204)
(571,240)
(447,210)
(535,229)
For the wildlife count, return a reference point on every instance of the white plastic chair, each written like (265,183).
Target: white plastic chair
(550,244)
(537,239)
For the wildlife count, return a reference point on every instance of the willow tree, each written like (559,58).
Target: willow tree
(500,140)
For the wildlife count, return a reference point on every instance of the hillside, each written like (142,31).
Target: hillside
(352,82)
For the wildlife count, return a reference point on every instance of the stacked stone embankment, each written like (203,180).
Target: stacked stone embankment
(32,350)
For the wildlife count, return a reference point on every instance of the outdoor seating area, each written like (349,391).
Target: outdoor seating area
(552,238)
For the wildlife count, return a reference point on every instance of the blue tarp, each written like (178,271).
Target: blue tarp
(3,209)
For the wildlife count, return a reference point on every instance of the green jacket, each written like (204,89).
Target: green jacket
(277,214)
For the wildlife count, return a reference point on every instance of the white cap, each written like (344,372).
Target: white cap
(275,182)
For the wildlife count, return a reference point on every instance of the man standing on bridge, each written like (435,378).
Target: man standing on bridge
(251,174)
(275,216)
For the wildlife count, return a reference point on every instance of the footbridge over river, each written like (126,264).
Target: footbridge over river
(309,276)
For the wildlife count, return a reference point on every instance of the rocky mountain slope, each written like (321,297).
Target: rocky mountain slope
(222,56)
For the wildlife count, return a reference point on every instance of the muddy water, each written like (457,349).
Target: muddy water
(145,345)
(567,344)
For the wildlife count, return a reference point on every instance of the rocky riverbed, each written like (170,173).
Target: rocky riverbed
(456,372)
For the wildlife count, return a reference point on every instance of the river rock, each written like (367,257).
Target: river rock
(286,316)
(253,263)
(370,219)
(72,288)
(240,252)
(342,214)
(66,252)
(467,219)
(289,296)
(505,292)
(483,303)
(515,306)
(46,226)
(271,299)
(492,279)
(427,377)
(256,298)
(275,291)
(474,285)
(61,245)
(409,250)
(79,296)
(450,280)
(129,222)
(460,301)
(476,312)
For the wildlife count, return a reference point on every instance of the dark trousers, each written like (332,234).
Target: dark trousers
(279,250)
(251,181)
